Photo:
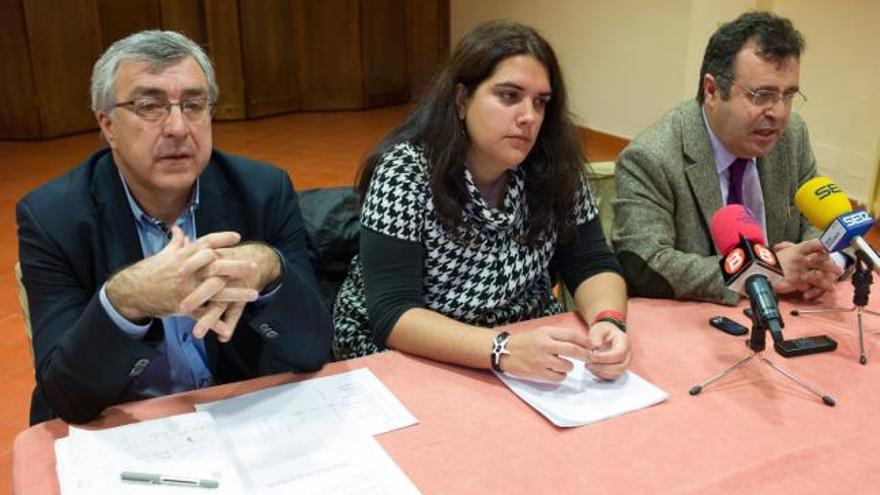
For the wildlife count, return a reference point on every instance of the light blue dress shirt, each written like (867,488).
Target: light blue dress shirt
(182,362)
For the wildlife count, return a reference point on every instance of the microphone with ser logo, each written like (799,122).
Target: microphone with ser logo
(827,208)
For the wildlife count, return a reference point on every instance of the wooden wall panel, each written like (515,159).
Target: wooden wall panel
(64,46)
(19,114)
(427,29)
(328,48)
(223,43)
(268,57)
(184,16)
(383,46)
(120,19)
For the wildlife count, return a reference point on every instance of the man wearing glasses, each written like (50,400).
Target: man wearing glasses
(738,143)
(161,265)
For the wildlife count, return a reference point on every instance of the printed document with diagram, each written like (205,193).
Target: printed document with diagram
(321,443)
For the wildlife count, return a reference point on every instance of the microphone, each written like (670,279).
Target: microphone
(749,267)
(827,208)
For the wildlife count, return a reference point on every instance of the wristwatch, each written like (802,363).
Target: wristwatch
(499,348)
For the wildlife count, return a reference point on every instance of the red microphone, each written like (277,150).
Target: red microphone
(748,267)
(739,239)
(729,223)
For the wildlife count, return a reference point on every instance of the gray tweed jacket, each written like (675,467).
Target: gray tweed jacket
(668,190)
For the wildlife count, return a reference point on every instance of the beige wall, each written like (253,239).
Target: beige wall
(627,61)
(622,60)
(840,74)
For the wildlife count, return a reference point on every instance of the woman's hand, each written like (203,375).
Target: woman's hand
(537,354)
(609,351)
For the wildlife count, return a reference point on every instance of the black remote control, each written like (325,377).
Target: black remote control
(805,345)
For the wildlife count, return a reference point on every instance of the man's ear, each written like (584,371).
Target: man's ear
(461,99)
(106,125)
(710,88)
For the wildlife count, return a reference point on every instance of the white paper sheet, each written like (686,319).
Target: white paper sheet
(582,398)
(333,462)
(355,400)
(187,445)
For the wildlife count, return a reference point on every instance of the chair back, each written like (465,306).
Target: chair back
(23,301)
(601,175)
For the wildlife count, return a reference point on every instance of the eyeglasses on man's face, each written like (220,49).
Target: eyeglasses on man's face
(154,109)
(764,98)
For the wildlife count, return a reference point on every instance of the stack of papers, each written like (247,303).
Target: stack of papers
(188,445)
(582,398)
(311,437)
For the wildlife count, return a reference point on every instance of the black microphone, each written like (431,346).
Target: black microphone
(765,308)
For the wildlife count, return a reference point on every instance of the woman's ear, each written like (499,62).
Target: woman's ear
(461,98)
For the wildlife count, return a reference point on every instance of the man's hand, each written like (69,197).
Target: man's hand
(157,286)
(249,266)
(609,350)
(262,261)
(808,269)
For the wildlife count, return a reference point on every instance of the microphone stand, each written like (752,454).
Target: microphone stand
(861,279)
(757,343)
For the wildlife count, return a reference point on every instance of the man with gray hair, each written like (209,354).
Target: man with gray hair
(160,264)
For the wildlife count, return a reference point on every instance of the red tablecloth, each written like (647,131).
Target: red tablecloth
(752,432)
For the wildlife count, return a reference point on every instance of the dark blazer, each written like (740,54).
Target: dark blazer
(668,190)
(77,230)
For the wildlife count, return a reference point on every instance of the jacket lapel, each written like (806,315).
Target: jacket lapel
(776,205)
(216,213)
(118,232)
(700,162)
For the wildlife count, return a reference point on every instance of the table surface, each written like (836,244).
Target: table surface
(752,432)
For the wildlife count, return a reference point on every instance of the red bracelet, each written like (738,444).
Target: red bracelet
(609,313)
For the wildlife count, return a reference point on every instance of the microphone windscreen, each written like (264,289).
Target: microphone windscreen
(729,223)
(820,200)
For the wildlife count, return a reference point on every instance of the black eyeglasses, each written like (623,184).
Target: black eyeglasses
(766,98)
(158,109)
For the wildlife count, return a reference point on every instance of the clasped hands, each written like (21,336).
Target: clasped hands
(539,354)
(210,279)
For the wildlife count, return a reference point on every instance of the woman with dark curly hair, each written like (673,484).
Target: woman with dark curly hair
(466,207)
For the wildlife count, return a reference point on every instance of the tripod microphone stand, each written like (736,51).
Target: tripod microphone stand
(757,343)
(861,281)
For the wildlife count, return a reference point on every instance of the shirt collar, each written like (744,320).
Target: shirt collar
(723,158)
(141,216)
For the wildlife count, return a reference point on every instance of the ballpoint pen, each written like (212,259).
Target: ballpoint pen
(159,479)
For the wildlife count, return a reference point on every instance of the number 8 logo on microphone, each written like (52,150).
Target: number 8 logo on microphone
(765,254)
(734,261)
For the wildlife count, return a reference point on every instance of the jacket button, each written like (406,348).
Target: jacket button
(139,366)
(271,334)
(264,327)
